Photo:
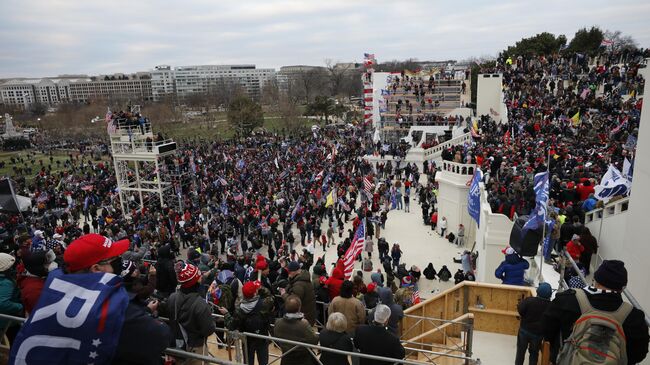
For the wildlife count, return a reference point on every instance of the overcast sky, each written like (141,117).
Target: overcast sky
(52,37)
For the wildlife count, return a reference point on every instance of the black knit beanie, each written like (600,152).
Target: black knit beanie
(612,275)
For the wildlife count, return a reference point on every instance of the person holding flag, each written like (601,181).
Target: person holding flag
(103,313)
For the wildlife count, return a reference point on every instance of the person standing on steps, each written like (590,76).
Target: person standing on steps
(531,331)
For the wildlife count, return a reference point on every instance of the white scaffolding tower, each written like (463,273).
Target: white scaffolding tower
(146,169)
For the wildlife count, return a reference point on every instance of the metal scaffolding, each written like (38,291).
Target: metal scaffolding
(145,166)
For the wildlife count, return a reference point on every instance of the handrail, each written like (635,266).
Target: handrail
(626,291)
(169,350)
(440,328)
(181,353)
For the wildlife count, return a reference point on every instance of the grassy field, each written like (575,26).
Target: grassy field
(33,159)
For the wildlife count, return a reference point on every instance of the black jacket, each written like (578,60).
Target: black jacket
(377,340)
(531,310)
(335,340)
(143,338)
(165,273)
(194,313)
(564,310)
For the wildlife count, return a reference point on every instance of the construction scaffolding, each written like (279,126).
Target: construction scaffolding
(147,169)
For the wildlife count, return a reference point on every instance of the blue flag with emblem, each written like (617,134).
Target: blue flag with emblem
(474,197)
(77,320)
(537,216)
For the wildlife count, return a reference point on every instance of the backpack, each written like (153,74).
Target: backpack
(597,336)
(255,321)
(367,264)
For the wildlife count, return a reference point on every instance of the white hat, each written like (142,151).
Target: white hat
(382,313)
(6,261)
(57,236)
(38,233)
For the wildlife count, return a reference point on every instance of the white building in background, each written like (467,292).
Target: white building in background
(24,92)
(51,91)
(184,81)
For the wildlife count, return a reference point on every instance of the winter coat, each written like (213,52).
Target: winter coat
(143,338)
(531,311)
(165,274)
(511,271)
(368,247)
(301,286)
(429,272)
(351,308)
(338,341)
(30,290)
(194,314)
(294,329)
(9,299)
(396,311)
(252,315)
(377,340)
(371,299)
(335,281)
(564,310)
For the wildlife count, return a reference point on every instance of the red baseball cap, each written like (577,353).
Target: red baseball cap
(90,249)
(250,288)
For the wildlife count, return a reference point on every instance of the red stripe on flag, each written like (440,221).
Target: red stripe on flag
(367,91)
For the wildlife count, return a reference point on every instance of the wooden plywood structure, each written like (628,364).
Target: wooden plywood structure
(487,307)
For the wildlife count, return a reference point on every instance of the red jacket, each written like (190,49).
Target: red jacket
(574,249)
(30,291)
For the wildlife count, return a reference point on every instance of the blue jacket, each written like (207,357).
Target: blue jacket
(511,271)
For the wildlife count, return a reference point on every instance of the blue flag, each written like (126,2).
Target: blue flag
(78,320)
(537,216)
(474,197)
(296,209)
(550,224)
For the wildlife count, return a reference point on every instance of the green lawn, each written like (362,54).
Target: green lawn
(29,156)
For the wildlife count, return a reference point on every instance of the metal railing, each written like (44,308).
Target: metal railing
(313,350)
(567,257)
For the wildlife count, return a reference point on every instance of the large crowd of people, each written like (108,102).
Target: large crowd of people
(240,249)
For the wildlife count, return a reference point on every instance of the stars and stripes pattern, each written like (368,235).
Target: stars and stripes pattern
(368,186)
(354,250)
(415,297)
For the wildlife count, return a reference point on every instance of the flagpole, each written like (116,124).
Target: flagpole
(540,277)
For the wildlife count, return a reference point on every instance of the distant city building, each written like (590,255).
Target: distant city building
(184,81)
(291,74)
(51,91)
(117,86)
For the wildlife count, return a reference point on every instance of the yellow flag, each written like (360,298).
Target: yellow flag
(330,199)
(576,119)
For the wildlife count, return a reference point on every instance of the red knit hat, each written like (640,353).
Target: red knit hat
(187,274)
(250,289)
(90,249)
(260,263)
(371,287)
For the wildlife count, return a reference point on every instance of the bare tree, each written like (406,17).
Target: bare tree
(270,93)
(311,82)
(337,74)
(620,42)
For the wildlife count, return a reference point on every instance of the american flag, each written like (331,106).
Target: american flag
(355,249)
(368,186)
(415,297)
(238,197)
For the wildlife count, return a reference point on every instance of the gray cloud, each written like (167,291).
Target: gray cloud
(46,38)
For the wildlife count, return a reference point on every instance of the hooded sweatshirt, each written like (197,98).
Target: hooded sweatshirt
(336,280)
(396,311)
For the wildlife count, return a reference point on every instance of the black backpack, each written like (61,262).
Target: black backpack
(255,321)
